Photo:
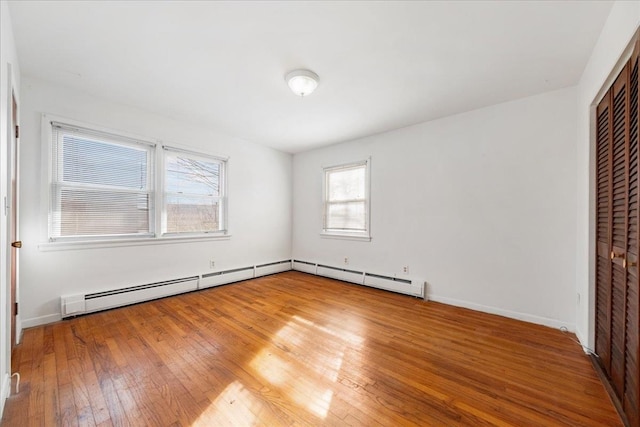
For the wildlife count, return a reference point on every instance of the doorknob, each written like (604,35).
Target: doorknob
(616,255)
(17,244)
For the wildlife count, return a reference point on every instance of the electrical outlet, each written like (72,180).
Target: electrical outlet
(405,269)
(346,261)
(212,264)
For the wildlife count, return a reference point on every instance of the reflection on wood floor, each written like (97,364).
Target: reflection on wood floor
(295,349)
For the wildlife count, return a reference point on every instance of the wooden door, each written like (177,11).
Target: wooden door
(617,221)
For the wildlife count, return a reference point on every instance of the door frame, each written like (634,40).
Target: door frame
(13,215)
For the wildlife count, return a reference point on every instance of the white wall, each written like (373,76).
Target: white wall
(481,205)
(259,189)
(620,27)
(9,76)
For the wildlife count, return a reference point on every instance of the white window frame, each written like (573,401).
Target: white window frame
(104,241)
(222,198)
(56,185)
(364,235)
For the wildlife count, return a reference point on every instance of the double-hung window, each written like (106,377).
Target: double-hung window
(346,200)
(101,185)
(105,187)
(194,193)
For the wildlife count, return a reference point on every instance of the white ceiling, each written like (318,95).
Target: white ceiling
(382,65)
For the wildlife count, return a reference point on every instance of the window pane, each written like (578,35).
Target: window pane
(346,216)
(89,161)
(86,212)
(194,193)
(346,184)
(191,176)
(188,214)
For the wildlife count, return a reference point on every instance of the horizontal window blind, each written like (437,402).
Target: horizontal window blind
(101,184)
(194,192)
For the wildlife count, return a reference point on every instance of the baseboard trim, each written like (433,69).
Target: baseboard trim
(42,320)
(583,340)
(531,318)
(4,393)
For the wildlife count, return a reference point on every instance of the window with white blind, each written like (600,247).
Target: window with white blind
(101,185)
(346,201)
(106,188)
(194,193)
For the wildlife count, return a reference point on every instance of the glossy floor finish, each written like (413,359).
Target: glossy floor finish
(295,349)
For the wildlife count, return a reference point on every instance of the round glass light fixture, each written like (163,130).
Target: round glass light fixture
(302,82)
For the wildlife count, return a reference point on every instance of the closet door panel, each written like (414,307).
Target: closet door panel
(631,402)
(603,233)
(619,230)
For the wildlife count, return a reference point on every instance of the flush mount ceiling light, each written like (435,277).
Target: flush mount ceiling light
(302,82)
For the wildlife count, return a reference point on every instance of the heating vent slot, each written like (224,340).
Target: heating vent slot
(220,273)
(394,279)
(139,287)
(341,274)
(304,266)
(413,287)
(228,276)
(272,268)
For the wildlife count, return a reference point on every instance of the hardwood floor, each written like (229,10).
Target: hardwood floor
(295,349)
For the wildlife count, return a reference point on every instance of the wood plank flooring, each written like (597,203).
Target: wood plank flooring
(295,349)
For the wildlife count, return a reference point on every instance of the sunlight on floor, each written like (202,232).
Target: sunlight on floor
(301,363)
(305,377)
(233,407)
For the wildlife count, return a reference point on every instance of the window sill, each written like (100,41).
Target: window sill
(96,244)
(346,236)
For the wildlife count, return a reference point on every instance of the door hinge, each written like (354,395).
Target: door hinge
(17,131)
(15,307)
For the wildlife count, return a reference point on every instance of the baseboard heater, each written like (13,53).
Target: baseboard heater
(408,286)
(77,304)
(73,305)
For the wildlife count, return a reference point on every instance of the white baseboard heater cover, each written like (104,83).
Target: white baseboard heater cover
(273,268)
(305,267)
(72,305)
(341,274)
(228,276)
(77,304)
(395,284)
(408,286)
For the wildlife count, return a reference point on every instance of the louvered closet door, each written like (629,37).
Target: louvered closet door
(631,396)
(617,236)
